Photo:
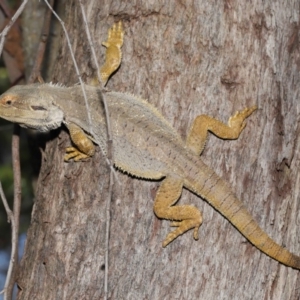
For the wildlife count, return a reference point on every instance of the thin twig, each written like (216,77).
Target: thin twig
(10,219)
(109,135)
(10,23)
(17,208)
(10,215)
(36,70)
(13,217)
(87,30)
(75,65)
(109,154)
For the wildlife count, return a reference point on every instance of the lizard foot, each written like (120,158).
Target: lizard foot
(115,36)
(182,227)
(113,52)
(237,121)
(74,153)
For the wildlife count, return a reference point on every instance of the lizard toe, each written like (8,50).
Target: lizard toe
(182,227)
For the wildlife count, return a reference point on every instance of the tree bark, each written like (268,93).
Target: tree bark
(201,57)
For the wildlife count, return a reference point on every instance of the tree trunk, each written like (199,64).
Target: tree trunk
(203,57)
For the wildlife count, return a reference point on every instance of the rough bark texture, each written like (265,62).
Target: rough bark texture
(212,57)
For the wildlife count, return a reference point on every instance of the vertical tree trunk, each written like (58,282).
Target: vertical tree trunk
(188,59)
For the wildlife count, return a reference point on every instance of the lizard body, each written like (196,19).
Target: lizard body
(145,145)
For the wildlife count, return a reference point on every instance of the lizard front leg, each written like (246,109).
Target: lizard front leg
(113,55)
(202,124)
(185,217)
(85,147)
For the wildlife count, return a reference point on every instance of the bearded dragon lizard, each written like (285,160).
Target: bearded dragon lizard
(145,145)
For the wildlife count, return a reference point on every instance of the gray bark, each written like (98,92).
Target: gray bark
(187,59)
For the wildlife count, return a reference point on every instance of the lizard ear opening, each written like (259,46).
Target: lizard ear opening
(37,107)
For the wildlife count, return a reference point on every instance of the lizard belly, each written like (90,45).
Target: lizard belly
(133,160)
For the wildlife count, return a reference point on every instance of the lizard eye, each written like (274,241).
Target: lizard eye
(7,100)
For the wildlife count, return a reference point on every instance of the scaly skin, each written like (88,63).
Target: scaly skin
(145,145)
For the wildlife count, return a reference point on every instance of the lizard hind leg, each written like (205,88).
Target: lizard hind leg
(184,217)
(202,124)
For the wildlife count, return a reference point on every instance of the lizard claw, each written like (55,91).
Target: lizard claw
(74,153)
(182,227)
(237,121)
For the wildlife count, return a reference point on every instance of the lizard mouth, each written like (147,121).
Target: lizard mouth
(41,128)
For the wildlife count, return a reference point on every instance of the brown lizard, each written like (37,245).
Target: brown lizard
(145,145)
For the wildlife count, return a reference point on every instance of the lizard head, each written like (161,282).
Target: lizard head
(23,104)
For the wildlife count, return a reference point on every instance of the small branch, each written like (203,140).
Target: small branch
(75,65)
(13,217)
(10,23)
(109,154)
(10,219)
(87,30)
(10,215)
(16,214)
(36,70)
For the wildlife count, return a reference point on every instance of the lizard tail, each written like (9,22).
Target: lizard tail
(217,193)
(245,223)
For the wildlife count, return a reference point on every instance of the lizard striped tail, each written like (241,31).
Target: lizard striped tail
(217,193)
